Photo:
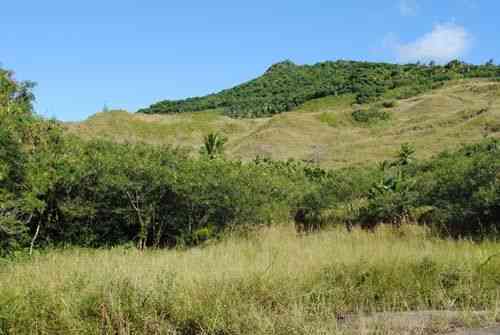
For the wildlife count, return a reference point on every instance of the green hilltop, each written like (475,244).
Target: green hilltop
(285,86)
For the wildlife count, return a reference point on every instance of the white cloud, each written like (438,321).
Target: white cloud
(408,7)
(445,42)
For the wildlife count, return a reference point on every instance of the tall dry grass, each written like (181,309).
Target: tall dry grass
(271,282)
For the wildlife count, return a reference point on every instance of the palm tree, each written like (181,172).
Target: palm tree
(213,145)
(406,155)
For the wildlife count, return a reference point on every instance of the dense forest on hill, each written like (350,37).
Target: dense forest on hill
(286,85)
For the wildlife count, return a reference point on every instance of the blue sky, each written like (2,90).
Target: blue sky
(130,53)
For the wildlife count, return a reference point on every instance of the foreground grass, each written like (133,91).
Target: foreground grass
(273,282)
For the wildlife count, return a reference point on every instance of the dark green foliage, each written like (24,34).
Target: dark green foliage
(213,145)
(108,194)
(463,190)
(456,193)
(371,115)
(406,155)
(15,128)
(389,104)
(391,199)
(286,85)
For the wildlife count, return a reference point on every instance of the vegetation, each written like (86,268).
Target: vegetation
(270,282)
(370,115)
(60,192)
(389,104)
(213,145)
(321,130)
(286,85)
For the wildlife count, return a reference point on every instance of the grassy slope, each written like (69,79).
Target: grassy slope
(272,283)
(322,129)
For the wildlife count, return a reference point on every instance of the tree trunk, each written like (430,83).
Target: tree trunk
(33,240)
(142,234)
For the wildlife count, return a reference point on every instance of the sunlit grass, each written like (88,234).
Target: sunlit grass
(323,129)
(271,282)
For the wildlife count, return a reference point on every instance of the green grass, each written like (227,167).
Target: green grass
(330,119)
(270,282)
(323,128)
(328,103)
(186,130)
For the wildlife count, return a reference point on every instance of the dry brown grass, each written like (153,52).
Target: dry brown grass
(323,130)
(273,282)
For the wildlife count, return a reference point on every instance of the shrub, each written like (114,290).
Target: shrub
(463,189)
(329,118)
(392,198)
(370,116)
(389,104)
(390,201)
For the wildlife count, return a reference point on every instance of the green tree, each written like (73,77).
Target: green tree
(16,121)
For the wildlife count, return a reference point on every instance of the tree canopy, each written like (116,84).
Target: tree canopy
(286,85)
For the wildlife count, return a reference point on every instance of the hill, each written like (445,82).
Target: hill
(71,211)
(285,86)
(324,130)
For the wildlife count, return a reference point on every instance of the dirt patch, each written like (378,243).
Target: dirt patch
(424,322)
(486,331)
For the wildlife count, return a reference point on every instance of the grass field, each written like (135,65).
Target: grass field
(323,130)
(268,282)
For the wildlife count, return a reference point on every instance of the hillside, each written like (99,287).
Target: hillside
(323,130)
(285,86)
